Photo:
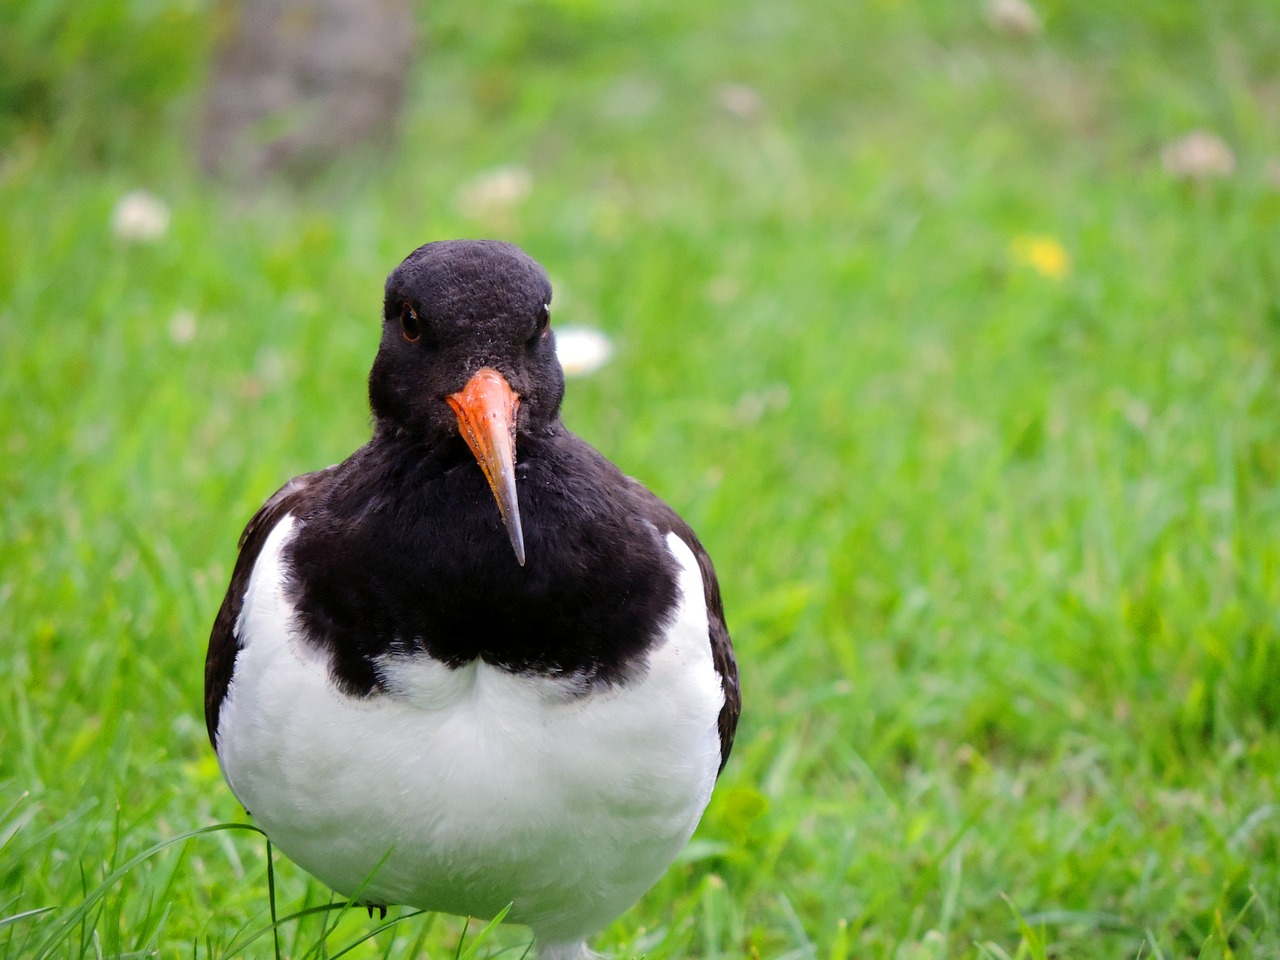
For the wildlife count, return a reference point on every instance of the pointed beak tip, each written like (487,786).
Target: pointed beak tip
(516,535)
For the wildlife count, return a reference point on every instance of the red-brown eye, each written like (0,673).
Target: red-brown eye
(410,327)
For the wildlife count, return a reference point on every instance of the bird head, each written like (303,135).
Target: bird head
(467,350)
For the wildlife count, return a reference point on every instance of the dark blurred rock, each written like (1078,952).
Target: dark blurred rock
(295,83)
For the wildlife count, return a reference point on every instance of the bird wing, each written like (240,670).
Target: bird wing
(223,643)
(668,521)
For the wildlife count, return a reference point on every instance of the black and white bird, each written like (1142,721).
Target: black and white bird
(473,664)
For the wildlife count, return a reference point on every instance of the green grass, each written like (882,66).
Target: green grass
(1000,551)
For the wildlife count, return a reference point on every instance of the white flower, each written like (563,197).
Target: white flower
(140,217)
(182,327)
(495,193)
(582,350)
(1014,18)
(1198,156)
(740,100)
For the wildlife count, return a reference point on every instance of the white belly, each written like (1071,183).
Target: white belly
(479,787)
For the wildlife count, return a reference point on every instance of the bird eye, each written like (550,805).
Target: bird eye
(544,320)
(410,326)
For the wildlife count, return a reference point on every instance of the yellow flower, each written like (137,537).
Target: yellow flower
(1045,255)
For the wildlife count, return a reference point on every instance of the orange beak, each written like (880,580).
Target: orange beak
(486,410)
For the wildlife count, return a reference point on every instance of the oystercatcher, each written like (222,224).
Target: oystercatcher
(473,665)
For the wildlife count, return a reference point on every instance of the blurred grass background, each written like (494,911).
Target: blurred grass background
(971,393)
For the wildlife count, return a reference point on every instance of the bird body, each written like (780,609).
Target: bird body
(427,697)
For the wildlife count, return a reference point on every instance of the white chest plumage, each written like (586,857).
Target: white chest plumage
(479,787)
